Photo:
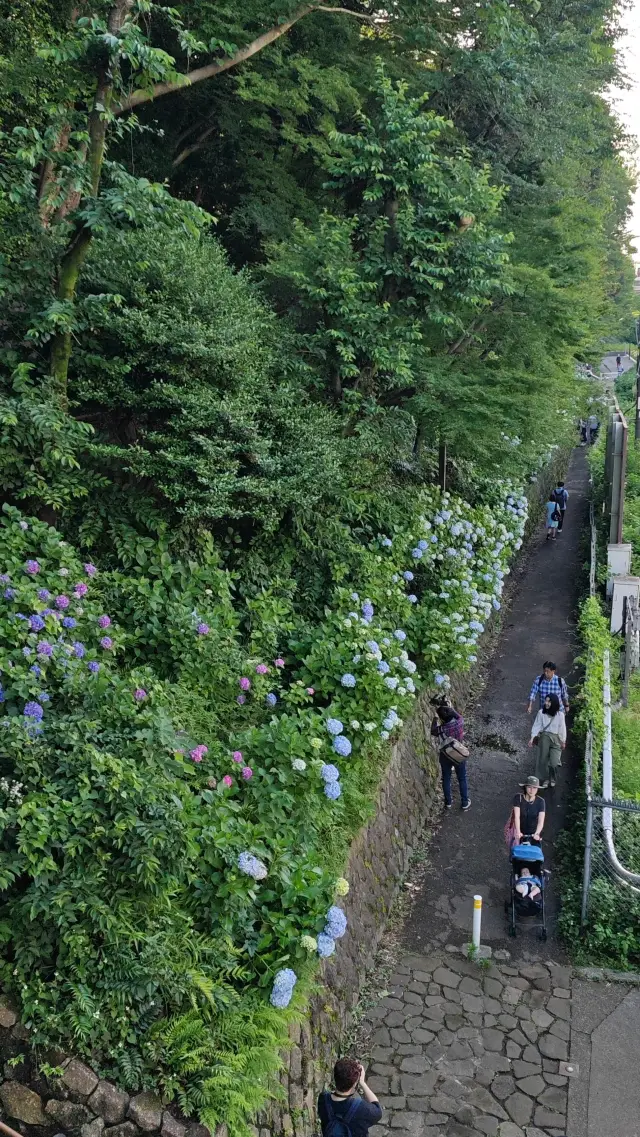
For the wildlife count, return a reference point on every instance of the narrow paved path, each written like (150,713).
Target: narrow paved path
(468,854)
(456,1050)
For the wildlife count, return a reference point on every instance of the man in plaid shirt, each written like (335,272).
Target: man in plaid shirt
(549,684)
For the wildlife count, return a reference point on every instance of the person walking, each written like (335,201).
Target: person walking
(548,683)
(529,812)
(552,517)
(549,732)
(448,727)
(561,497)
(342,1111)
(593,425)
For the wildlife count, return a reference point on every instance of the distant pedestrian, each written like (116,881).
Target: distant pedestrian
(618,361)
(549,732)
(583,430)
(552,514)
(561,496)
(342,1111)
(593,425)
(548,683)
(448,730)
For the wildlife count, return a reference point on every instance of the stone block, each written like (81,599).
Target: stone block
(109,1103)
(21,1102)
(68,1115)
(145,1110)
(484,1101)
(93,1128)
(559,1008)
(8,1018)
(533,1085)
(552,1047)
(419,1086)
(445,978)
(519,1107)
(79,1079)
(493,1039)
(415,1064)
(502,1086)
(545,1119)
(170,1127)
(554,1098)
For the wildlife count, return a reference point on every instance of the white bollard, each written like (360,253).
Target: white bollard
(477,920)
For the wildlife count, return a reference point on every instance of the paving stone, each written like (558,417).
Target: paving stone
(381,1037)
(524,1069)
(542,984)
(484,1077)
(391,1004)
(477,1046)
(489,1020)
(522,1011)
(492,987)
(459,1049)
(379,1085)
(533,971)
(466,1114)
(513,1050)
(395,1018)
(536,999)
(419,1085)
(452,1006)
(394,1084)
(530,1031)
(403,1048)
(552,1047)
(549,1066)
(561,1030)
(454,1088)
(509,1129)
(415,1064)
(470,986)
(399,1034)
(472,1003)
(502,1086)
(505,970)
(412,998)
(434,1051)
(492,1006)
(458,1129)
(419,988)
(419,962)
(406,1119)
(442,1103)
(468,1032)
(521,982)
(533,1085)
(445,1037)
(554,1098)
(561,993)
(497,1062)
(559,1008)
(460,1067)
(396,1101)
(454,1022)
(493,1039)
(545,1119)
(434,1013)
(375,1013)
(422,976)
(488,1125)
(413,1022)
(434,990)
(435,1119)
(560,976)
(383,1069)
(424,1105)
(484,1101)
(511,996)
(555,1079)
(517,1036)
(445,977)
(422,1035)
(541,1018)
(519,1107)
(533,1131)
(531,1055)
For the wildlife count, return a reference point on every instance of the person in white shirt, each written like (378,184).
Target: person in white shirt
(549,731)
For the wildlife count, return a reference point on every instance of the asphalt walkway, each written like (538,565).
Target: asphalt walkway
(456,1049)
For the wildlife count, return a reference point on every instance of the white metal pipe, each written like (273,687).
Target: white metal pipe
(624,875)
(477,920)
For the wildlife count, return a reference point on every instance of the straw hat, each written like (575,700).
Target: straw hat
(530,781)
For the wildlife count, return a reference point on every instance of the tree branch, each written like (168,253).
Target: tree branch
(137,98)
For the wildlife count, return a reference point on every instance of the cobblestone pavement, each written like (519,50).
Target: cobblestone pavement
(459,1050)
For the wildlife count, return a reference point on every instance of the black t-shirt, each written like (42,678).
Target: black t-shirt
(366,1115)
(529,812)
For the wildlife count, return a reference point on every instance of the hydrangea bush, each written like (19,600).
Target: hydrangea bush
(187,795)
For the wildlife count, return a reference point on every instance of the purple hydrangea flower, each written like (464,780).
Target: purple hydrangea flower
(90,570)
(44,648)
(261,669)
(44,594)
(412,598)
(400,635)
(383,667)
(247,773)
(106,642)
(417,553)
(93,667)
(342,746)
(104,621)
(4,578)
(203,629)
(31,567)
(23,525)
(27,651)
(33,711)
(80,589)
(241,699)
(367,610)
(139,694)
(79,649)
(37,671)
(36,623)
(244,683)
(44,697)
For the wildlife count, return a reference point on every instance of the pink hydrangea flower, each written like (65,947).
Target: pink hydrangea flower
(106,642)
(278,662)
(90,570)
(261,669)
(311,690)
(227,780)
(237,756)
(241,699)
(139,694)
(245,684)
(198,752)
(32,567)
(203,629)
(62,602)
(247,773)
(104,621)
(81,589)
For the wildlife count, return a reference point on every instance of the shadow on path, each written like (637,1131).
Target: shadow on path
(468,853)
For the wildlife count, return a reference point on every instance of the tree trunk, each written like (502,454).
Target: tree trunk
(76,252)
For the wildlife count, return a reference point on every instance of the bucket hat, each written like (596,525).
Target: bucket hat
(531,781)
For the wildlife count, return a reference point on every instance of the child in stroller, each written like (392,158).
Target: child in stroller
(527,888)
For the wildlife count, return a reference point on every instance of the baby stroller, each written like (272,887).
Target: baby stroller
(531,857)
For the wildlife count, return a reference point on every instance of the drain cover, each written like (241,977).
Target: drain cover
(569,1069)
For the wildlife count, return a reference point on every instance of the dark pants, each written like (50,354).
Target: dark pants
(561,521)
(446,766)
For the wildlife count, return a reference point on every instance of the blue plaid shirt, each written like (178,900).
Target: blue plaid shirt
(554,686)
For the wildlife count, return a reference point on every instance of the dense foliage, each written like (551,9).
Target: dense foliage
(269,274)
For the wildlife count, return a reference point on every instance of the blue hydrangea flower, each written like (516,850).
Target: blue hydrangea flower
(367,610)
(409,666)
(69,622)
(439,679)
(253,867)
(412,598)
(417,554)
(410,685)
(400,635)
(44,594)
(44,697)
(37,671)
(348,680)
(383,667)
(342,746)
(282,990)
(395,578)
(336,924)
(9,593)
(497,605)
(391,682)
(271,699)
(372,647)
(408,575)
(332,790)
(334,726)
(355,596)
(78,649)
(387,542)
(27,651)
(326,945)
(329,772)
(423,544)
(2,695)
(476,626)
(36,623)
(33,711)
(93,667)
(434,540)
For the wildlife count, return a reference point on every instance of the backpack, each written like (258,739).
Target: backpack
(339,1126)
(560,681)
(555,516)
(560,498)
